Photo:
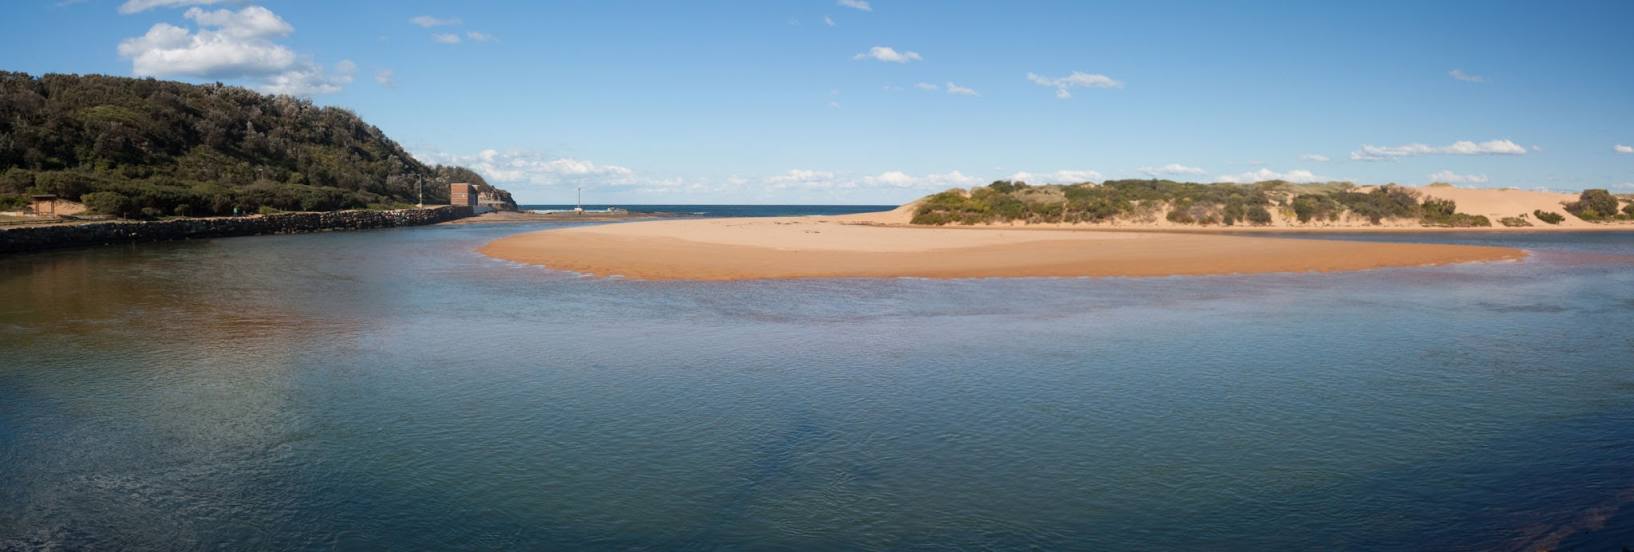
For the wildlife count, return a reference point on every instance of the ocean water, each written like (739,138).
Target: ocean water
(394,389)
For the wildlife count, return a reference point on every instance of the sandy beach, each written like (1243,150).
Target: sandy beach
(862,246)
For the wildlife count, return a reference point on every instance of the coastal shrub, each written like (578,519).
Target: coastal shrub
(1444,212)
(10,202)
(184,210)
(1258,215)
(1309,207)
(1514,222)
(109,203)
(1629,209)
(1383,202)
(1437,208)
(1549,216)
(1594,205)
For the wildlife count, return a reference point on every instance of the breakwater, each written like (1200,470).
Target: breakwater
(40,238)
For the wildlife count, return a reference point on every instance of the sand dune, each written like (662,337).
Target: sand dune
(838,247)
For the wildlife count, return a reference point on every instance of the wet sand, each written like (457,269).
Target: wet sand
(858,247)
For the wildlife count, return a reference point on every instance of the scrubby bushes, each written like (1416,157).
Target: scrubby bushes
(1184,203)
(1550,217)
(1444,212)
(109,203)
(1594,205)
(1515,222)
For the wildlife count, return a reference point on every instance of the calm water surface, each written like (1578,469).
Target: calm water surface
(394,389)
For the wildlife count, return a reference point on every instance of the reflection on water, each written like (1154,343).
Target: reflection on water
(395,389)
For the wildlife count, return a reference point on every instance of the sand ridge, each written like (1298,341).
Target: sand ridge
(868,246)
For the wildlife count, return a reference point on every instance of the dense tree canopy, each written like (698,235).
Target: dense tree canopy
(202,149)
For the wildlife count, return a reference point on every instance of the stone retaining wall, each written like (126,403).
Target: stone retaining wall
(40,238)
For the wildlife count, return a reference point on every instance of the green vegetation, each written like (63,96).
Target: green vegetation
(1595,205)
(171,148)
(1515,222)
(1550,217)
(1184,203)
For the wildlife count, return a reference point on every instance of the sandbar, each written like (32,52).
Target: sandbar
(859,247)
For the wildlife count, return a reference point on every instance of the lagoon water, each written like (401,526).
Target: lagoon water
(394,389)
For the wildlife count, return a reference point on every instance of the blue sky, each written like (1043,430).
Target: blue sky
(818,101)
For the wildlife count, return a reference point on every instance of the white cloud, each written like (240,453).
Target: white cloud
(1371,152)
(888,54)
(1296,175)
(386,78)
(1078,79)
(137,6)
(1058,177)
(446,38)
(833,104)
(1466,77)
(1315,157)
(804,179)
(1172,169)
(800,176)
(1619,148)
(927,86)
(427,22)
(1455,178)
(960,90)
(311,80)
(475,36)
(828,21)
(856,4)
(515,167)
(232,45)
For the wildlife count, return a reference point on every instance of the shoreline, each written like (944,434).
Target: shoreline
(30,239)
(839,247)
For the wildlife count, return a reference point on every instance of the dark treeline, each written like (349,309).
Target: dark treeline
(150,147)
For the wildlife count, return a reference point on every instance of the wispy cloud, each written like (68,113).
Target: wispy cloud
(1069,176)
(856,5)
(828,21)
(950,88)
(1455,178)
(1296,175)
(520,167)
(807,179)
(888,54)
(427,22)
(957,90)
(1078,79)
(475,36)
(137,6)
(446,38)
(1172,169)
(1619,148)
(1371,152)
(386,78)
(1466,77)
(1314,157)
